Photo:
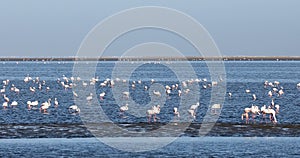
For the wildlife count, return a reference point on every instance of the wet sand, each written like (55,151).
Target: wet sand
(141,129)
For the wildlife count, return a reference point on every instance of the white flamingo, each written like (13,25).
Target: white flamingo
(124,108)
(179,93)
(152,81)
(55,102)
(168,92)
(229,94)
(5,98)
(32,104)
(74,109)
(272,113)
(272,102)
(14,103)
(254,97)
(176,112)
(156,93)
(5,105)
(277,108)
(75,94)
(280,92)
(90,97)
(2,90)
(101,95)
(192,110)
(17,90)
(45,105)
(270,94)
(254,110)
(154,111)
(126,94)
(214,108)
(32,89)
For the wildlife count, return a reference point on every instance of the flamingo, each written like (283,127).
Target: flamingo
(214,83)
(5,105)
(168,92)
(112,83)
(254,97)
(45,105)
(31,104)
(74,109)
(215,107)
(254,110)
(126,94)
(102,95)
(17,90)
(102,84)
(184,84)
(154,111)
(266,84)
(139,81)
(14,104)
(195,106)
(32,89)
(2,90)
(179,93)
(271,84)
(277,108)
(12,87)
(6,98)
(192,110)
(5,82)
(133,85)
(272,102)
(152,81)
(280,92)
(55,102)
(75,94)
(176,112)
(156,93)
(272,113)
(186,91)
(229,94)
(84,84)
(90,97)
(270,94)
(123,108)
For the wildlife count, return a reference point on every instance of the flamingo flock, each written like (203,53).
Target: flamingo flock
(35,85)
(274,90)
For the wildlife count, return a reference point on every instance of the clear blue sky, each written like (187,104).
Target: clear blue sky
(57,27)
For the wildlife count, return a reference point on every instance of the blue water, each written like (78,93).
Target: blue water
(239,77)
(182,147)
(20,122)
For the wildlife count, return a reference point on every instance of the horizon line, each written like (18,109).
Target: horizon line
(132,58)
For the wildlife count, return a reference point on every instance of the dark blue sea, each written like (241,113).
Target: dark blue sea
(57,132)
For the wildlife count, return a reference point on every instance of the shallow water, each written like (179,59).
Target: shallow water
(240,75)
(182,147)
